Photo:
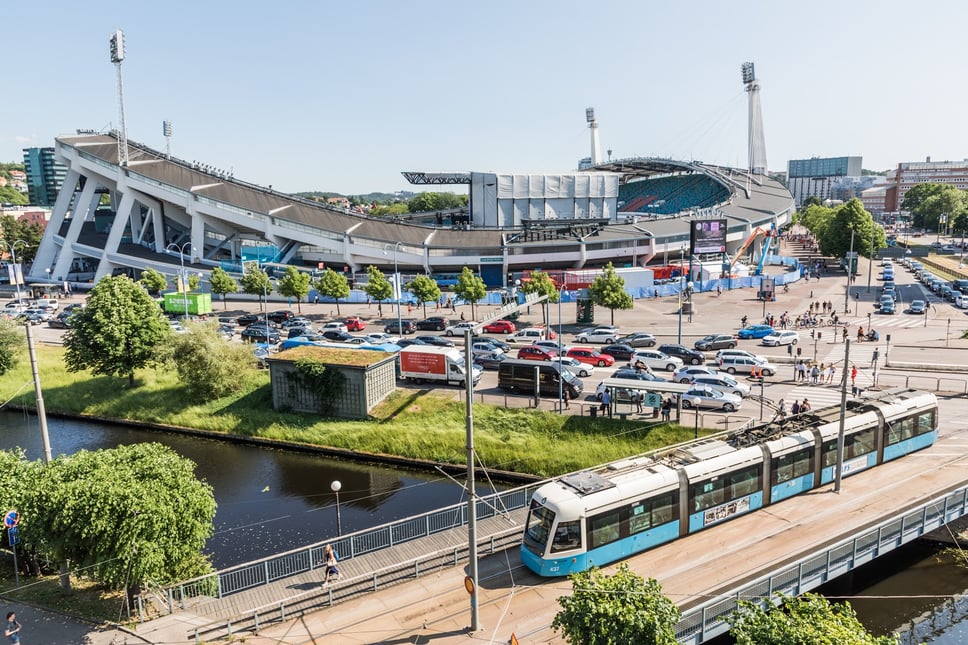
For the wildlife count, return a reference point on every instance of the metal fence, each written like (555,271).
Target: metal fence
(706,621)
(261,572)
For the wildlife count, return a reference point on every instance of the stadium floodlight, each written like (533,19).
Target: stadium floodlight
(166,128)
(748,75)
(117,46)
(590,115)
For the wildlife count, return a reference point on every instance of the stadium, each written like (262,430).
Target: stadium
(166,213)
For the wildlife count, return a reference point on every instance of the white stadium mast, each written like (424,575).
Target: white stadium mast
(593,126)
(117,55)
(757,143)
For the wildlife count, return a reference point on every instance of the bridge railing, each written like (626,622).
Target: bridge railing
(266,570)
(706,621)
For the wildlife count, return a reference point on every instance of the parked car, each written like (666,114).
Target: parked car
(687,355)
(530,334)
(355,323)
(298,321)
(604,335)
(715,341)
(405,327)
(620,352)
(574,366)
(754,331)
(407,342)
(590,356)
(917,307)
(637,375)
(434,323)
(490,361)
(296,332)
(483,348)
(781,337)
(247,319)
(707,397)
(723,383)
(723,353)
(495,343)
(655,359)
(688,373)
(499,327)
(61,320)
(333,325)
(379,338)
(337,336)
(637,339)
(532,353)
(736,364)
(281,315)
(260,334)
(459,329)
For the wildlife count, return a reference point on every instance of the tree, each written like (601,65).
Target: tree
(222,283)
(295,284)
(207,364)
(13,230)
(333,285)
(470,288)
(807,619)
(10,195)
(428,202)
(153,281)
(608,290)
(915,197)
(948,202)
(124,516)
(194,281)
(621,608)
(256,282)
(852,217)
(816,219)
(811,200)
(542,284)
(11,345)
(425,289)
(117,332)
(377,286)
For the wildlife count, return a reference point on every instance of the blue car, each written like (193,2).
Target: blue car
(754,331)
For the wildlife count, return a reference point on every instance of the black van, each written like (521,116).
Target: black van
(518,376)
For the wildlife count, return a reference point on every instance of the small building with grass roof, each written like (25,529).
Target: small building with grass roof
(330,381)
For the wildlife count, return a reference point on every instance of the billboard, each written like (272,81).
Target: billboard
(707,236)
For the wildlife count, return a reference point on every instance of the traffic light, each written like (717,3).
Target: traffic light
(819,335)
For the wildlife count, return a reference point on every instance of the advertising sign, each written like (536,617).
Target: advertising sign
(707,236)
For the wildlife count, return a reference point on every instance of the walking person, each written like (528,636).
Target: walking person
(831,370)
(666,410)
(13,628)
(606,406)
(853,376)
(795,408)
(566,398)
(781,410)
(331,569)
(638,396)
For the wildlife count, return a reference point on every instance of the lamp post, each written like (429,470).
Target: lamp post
(682,251)
(560,398)
(850,257)
(868,322)
(696,401)
(397,288)
(184,278)
(17,272)
(335,486)
(870,263)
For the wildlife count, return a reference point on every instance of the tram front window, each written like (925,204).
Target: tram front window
(567,536)
(540,521)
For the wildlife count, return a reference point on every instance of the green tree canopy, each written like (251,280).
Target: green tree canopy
(816,219)
(470,288)
(541,284)
(808,620)
(12,345)
(425,289)
(154,281)
(10,195)
(868,236)
(255,282)
(915,197)
(208,365)
(945,205)
(124,516)
(377,286)
(14,231)
(295,284)
(393,209)
(608,290)
(222,283)
(621,608)
(427,202)
(333,285)
(117,332)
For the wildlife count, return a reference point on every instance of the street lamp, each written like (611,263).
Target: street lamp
(560,410)
(682,251)
(335,486)
(696,402)
(850,258)
(398,288)
(184,277)
(17,272)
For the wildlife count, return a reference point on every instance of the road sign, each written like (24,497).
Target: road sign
(11,519)
(13,534)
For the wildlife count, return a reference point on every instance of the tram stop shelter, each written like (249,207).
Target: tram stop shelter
(652,392)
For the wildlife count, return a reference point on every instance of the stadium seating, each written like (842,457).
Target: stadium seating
(670,194)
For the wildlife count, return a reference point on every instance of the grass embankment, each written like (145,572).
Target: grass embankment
(85,599)
(410,424)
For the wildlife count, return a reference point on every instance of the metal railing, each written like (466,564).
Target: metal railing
(701,623)
(267,570)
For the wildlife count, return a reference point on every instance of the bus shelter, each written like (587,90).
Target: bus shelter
(651,392)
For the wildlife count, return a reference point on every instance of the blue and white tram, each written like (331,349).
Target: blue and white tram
(591,518)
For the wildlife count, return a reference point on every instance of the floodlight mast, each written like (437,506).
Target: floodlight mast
(593,126)
(166,130)
(757,142)
(117,56)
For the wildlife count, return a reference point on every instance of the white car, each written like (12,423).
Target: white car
(379,338)
(723,353)
(707,397)
(334,325)
(781,337)
(723,383)
(691,372)
(458,329)
(575,366)
(604,335)
(656,360)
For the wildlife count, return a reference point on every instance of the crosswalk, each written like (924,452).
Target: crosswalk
(824,394)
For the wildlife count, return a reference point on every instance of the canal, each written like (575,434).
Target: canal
(269,500)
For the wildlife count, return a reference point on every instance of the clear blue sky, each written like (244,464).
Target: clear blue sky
(342,96)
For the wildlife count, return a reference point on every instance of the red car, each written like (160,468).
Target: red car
(533,353)
(499,327)
(590,356)
(355,324)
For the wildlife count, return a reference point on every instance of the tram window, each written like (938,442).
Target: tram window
(567,536)
(792,465)
(829,453)
(860,443)
(603,529)
(744,482)
(539,523)
(707,494)
(926,422)
(639,517)
(664,509)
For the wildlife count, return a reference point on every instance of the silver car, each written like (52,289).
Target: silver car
(707,397)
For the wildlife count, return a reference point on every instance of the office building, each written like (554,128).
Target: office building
(820,177)
(44,175)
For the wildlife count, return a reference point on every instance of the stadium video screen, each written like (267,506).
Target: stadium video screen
(708,236)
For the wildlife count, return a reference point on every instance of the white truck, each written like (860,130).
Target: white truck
(435,364)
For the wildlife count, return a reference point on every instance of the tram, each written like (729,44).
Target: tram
(595,517)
